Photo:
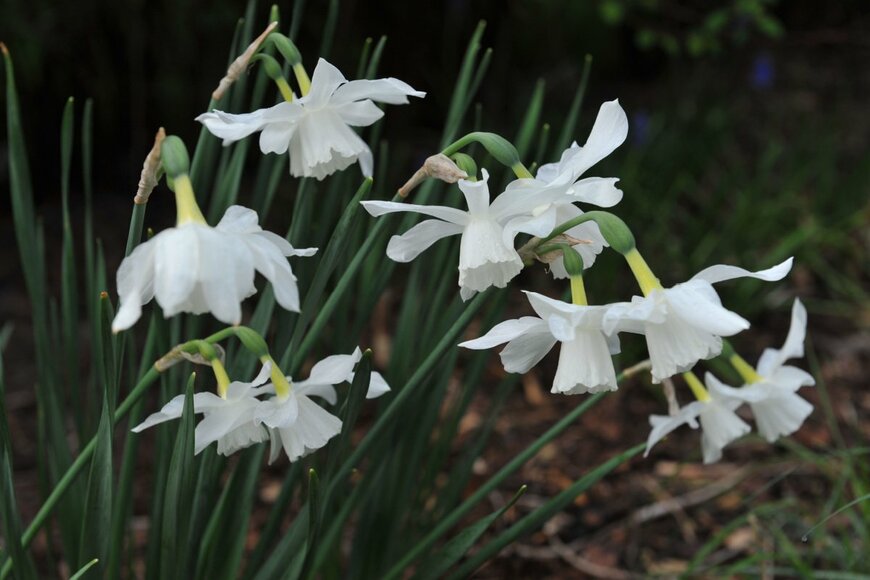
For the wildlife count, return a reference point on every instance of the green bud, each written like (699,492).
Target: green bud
(207,350)
(270,65)
(500,148)
(286,47)
(614,231)
(572,260)
(466,164)
(252,341)
(173,156)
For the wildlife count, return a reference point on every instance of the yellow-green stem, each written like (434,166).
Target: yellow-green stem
(282,386)
(697,387)
(520,171)
(185,201)
(749,374)
(285,89)
(220,375)
(578,291)
(302,78)
(642,272)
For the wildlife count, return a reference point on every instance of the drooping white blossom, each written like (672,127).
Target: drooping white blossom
(296,423)
(197,268)
(608,132)
(230,422)
(585,364)
(685,323)
(317,127)
(487,256)
(720,425)
(293,422)
(533,206)
(778,409)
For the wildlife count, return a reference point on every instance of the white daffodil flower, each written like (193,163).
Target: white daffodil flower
(720,425)
(585,365)
(197,268)
(486,253)
(608,132)
(316,128)
(684,324)
(778,409)
(230,421)
(297,424)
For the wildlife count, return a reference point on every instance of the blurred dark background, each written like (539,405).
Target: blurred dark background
(155,63)
(749,141)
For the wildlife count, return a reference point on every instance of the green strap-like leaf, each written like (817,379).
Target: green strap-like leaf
(537,518)
(81,571)
(10,520)
(440,562)
(570,125)
(335,249)
(179,485)
(97,521)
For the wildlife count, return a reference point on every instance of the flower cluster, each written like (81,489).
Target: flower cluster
(287,417)
(683,324)
(196,268)
(770,390)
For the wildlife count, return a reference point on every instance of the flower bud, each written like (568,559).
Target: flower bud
(614,230)
(174,157)
(286,47)
(270,65)
(573,262)
(465,164)
(252,341)
(500,148)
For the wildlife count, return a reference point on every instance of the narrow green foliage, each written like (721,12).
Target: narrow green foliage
(335,249)
(16,557)
(537,518)
(529,125)
(223,542)
(97,521)
(328,34)
(570,125)
(69,296)
(457,514)
(440,562)
(314,508)
(364,58)
(177,501)
(81,571)
(375,60)
(134,232)
(109,354)
(461,92)
(353,403)
(696,563)
(276,514)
